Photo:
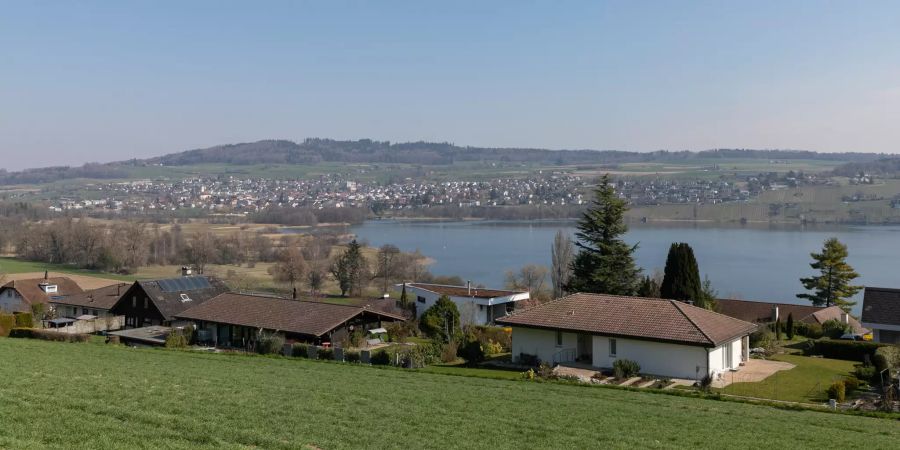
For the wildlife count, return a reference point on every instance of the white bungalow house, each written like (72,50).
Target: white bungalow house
(666,337)
(881,314)
(476,306)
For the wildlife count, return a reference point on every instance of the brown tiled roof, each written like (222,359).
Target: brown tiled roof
(881,305)
(463,291)
(752,311)
(31,291)
(762,312)
(634,317)
(273,313)
(102,298)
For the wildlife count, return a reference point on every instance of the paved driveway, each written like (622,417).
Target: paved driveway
(752,371)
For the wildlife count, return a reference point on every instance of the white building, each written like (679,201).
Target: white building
(666,337)
(476,306)
(881,314)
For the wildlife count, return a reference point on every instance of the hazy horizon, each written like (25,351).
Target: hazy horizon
(99,81)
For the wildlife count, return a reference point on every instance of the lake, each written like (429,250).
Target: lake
(754,263)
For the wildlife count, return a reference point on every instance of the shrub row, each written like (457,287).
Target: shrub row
(7,323)
(847,350)
(34,333)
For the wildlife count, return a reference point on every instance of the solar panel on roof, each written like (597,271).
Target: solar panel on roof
(183,284)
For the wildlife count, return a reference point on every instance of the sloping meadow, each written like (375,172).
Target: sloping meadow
(62,395)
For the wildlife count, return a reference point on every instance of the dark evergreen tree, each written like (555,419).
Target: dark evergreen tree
(604,263)
(441,321)
(648,287)
(789,328)
(682,276)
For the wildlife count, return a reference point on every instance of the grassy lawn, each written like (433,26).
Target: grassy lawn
(14,265)
(804,383)
(58,395)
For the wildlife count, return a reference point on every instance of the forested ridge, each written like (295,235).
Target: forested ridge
(315,150)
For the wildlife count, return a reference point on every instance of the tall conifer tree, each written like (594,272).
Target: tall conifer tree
(604,263)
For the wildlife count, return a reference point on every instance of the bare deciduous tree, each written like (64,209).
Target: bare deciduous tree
(531,278)
(561,253)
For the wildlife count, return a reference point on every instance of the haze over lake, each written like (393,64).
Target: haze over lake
(751,263)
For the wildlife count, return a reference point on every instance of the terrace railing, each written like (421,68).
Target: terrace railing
(565,355)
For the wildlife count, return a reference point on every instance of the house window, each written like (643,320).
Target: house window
(420,299)
(558,338)
(612,347)
(94,312)
(84,310)
(74,311)
(134,301)
(145,303)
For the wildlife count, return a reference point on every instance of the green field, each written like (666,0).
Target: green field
(14,265)
(58,395)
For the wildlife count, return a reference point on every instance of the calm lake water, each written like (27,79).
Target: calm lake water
(751,263)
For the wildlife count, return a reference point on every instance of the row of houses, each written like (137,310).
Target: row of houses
(666,337)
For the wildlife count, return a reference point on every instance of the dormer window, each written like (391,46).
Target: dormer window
(185,298)
(48,288)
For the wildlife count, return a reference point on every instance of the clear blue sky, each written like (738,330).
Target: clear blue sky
(98,81)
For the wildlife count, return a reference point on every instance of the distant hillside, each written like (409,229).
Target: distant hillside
(313,151)
(885,167)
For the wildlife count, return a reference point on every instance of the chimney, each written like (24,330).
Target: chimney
(294,294)
(185,271)
(775,313)
(46,275)
(845,318)
(469,287)
(119,290)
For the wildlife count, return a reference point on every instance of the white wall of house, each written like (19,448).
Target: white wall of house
(719,361)
(75,311)
(10,301)
(656,358)
(541,343)
(472,311)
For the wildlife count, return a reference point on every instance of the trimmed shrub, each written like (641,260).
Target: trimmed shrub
(269,343)
(299,351)
(847,350)
(837,391)
(834,328)
(762,337)
(625,368)
(401,331)
(851,384)
(47,335)
(176,340)
(867,373)
(24,320)
(529,360)
(326,354)
(351,356)
(471,351)
(380,358)
(810,330)
(887,357)
(7,323)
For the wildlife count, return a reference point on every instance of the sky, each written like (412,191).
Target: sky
(85,81)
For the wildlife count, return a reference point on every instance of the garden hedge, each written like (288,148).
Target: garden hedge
(7,323)
(24,320)
(847,350)
(34,333)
